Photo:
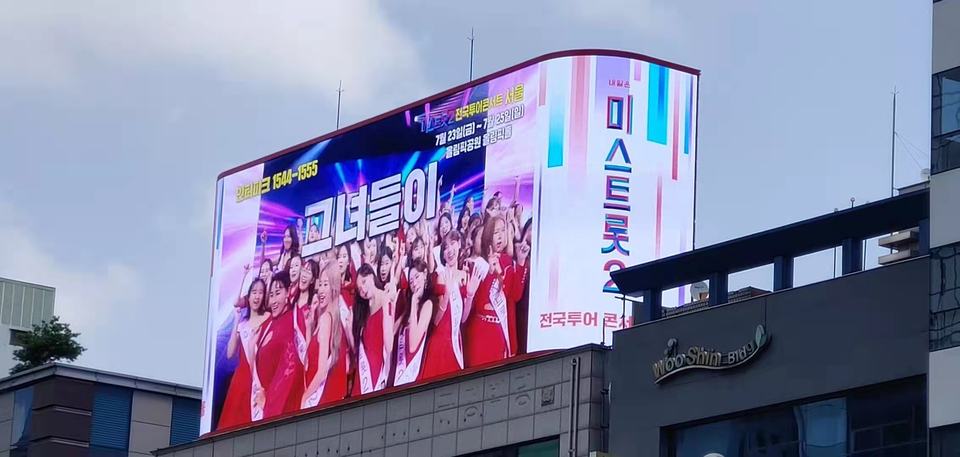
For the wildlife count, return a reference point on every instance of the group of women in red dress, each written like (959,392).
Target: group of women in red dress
(428,299)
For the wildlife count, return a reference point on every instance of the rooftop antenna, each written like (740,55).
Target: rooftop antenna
(893,143)
(339,97)
(472,37)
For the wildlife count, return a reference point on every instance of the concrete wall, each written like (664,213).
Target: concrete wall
(944,387)
(482,411)
(149,423)
(946,35)
(853,331)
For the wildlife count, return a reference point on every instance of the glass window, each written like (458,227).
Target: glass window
(944,297)
(545,449)
(946,102)
(889,421)
(22,412)
(946,152)
(549,448)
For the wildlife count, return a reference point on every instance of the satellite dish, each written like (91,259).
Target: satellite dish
(698,290)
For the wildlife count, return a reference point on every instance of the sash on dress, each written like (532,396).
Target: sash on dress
(455,313)
(363,366)
(246,339)
(499,303)
(408,372)
(301,340)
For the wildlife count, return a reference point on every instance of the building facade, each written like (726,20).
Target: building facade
(945,231)
(22,305)
(835,368)
(522,409)
(66,411)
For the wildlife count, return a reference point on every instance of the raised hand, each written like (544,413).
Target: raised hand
(476,277)
(523,252)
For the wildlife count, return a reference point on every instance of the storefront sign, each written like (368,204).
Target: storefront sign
(698,357)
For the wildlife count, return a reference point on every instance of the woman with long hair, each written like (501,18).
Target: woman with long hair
(385,265)
(490,329)
(293,267)
(251,313)
(345,270)
(325,341)
(444,352)
(334,308)
(444,226)
(304,319)
(277,363)
(290,247)
(464,219)
(413,332)
(521,265)
(266,272)
(373,320)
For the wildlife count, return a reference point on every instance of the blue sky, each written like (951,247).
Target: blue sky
(116,117)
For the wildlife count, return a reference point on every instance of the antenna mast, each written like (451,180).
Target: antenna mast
(471,38)
(893,142)
(339,96)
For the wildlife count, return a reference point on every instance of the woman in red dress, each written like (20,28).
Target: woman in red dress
(251,312)
(413,332)
(304,316)
(490,329)
(345,269)
(444,353)
(325,328)
(338,352)
(278,366)
(373,319)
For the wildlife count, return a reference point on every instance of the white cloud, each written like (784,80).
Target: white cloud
(300,45)
(90,299)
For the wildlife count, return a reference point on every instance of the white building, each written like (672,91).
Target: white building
(22,305)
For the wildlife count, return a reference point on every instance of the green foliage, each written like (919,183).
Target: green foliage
(49,341)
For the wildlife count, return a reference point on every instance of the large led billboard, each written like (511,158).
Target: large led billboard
(453,233)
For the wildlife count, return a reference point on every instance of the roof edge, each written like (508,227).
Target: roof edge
(458,88)
(104,377)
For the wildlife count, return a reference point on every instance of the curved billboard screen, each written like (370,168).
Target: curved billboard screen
(453,233)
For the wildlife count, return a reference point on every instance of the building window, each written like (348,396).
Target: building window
(879,421)
(946,121)
(946,152)
(22,412)
(17,337)
(549,448)
(110,422)
(944,297)
(184,421)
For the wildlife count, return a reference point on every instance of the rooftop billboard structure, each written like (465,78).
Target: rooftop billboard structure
(453,233)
